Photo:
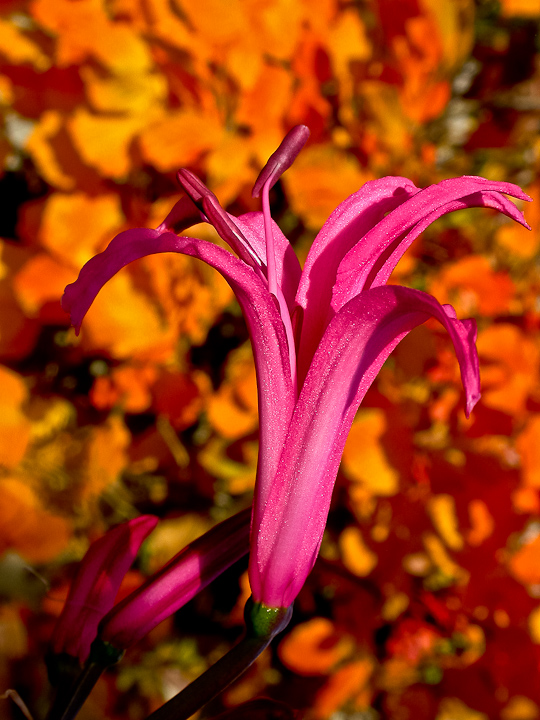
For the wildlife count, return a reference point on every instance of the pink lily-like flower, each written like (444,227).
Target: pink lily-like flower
(171,587)
(319,335)
(95,586)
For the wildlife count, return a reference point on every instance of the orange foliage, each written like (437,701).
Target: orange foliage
(473,287)
(315,647)
(346,684)
(15,428)
(509,366)
(525,563)
(434,518)
(28,528)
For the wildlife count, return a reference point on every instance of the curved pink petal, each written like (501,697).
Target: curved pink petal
(371,262)
(270,349)
(355,345)
(169,589)
(345,227)
(95,585)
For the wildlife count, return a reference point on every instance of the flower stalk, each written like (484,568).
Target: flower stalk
(262,624)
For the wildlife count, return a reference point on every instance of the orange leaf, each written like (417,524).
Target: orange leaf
(40,281)
(482,523)
(83,31)
(232,410)
(528,446)
(314,647)
(524,565)
(319,180)
(472,286)
(344,685)
(19,49)
(509,364)
(26,527)
(127,386)
(123,323)
(76,226)
(179,138)
(364,459)
(14,425)
(106,455)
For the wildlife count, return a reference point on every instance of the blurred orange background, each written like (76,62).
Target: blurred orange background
(425,602)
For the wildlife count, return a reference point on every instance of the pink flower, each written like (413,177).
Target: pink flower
(319,335)
(188,572)
(95,585)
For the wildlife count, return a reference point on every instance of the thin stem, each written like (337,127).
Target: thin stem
(67,705)
(208,685)
(262,624)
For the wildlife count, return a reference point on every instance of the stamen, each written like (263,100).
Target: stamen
(269,237)
(184,214)
(213,213)
(228,231)
(192,186)
(282,158)
(273,286)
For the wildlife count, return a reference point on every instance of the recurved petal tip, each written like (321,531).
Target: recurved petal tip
(282,158)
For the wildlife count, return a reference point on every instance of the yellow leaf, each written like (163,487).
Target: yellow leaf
(344,685)
(103,142)
(319,180)
(15,427)
(122,322)
(442,510)
(83,30)
(106,455)
(454,20)
(347,41)
(179,138)
(364,460)
(40,145)
(447,571)
(129,92)
(170,536)
(26,527)
(454,709)
(355,554)
(19,49)
(76,226)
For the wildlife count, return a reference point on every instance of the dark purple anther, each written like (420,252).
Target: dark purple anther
(212,212)
(282,158)
(193,187)
(226,228)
